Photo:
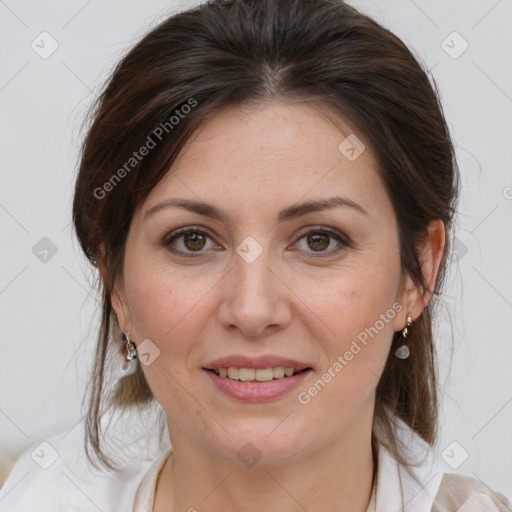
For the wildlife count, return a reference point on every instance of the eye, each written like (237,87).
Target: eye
(189,240)
(320,239)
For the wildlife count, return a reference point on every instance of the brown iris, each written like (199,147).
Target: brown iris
(194,241)
(319,242)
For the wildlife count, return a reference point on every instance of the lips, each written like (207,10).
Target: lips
(260,362)
(256,379)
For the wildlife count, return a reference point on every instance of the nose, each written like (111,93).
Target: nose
(254,299)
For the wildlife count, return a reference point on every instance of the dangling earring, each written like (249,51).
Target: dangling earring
(403,351)
(131,349)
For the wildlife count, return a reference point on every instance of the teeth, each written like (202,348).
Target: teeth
(260,374)
(278,372)
(247,373)
(233,373)
(263,374)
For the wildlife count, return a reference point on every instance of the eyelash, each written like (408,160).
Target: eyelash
(342,239)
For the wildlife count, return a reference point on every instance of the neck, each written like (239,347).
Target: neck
(338,477)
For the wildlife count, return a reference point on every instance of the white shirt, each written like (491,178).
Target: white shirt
(69,483)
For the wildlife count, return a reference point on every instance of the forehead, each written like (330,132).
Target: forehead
(275,153)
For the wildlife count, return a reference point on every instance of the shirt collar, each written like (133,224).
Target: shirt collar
(396,489)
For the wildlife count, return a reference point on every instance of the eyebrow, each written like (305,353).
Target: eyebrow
(291,212)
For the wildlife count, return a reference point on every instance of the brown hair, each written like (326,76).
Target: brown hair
(240,51)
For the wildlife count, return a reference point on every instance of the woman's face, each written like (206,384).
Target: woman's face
(261,279)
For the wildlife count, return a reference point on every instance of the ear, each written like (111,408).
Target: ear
(414,298)
(117,297)
(120,307)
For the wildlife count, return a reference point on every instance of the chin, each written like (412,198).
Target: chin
(260,442)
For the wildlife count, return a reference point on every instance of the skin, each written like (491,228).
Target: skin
(252,163)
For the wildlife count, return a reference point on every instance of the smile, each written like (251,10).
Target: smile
(256,385)
(256,374)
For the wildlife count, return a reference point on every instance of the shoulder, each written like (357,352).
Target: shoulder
(459,493)
(427,487)
(54,475)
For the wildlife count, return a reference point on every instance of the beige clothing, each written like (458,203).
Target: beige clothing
(464,494)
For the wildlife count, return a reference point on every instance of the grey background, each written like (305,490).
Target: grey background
(47,312)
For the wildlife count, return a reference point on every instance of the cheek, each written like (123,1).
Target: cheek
(359,308)
(361,316)
(168,308)
(358,297)
(166,305)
